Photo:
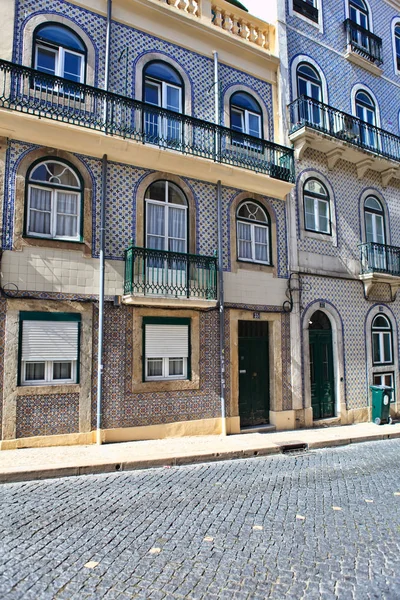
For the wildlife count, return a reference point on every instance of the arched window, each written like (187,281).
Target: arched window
(319,322)
(309,82)
(163,87)
(397,45)
(358,11)
(316,207)
(166,217)
(253,233)
(59,51)
(246,114)
(366,112)
(309,85)
(55,197)
(374,221)
(382,341)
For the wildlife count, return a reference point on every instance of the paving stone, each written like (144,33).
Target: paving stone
(51,529)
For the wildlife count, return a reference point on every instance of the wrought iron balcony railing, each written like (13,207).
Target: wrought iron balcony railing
(321,117)
(151,272)
(26,90)
(364,42)
(306,9)
(379,258)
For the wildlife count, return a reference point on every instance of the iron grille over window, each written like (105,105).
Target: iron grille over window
(307,9)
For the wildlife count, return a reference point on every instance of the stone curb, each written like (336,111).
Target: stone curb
(20,475)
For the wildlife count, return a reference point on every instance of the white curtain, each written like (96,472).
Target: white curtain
(261,243)
(40,211)
(67,214)
(176,229)
(155,226)
(244,240)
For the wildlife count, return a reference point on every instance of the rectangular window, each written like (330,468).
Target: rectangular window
(384,379)
(166,348)
(49,348)
(307,8)
(382,347)
(316,215)
(53,213)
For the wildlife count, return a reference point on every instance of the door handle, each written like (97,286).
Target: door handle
(242,371)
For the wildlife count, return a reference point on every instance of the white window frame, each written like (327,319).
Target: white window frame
(245,119)
(48,373)
(54,213)
(60,60)
(318,6)
(253,226)
(395,23)
(165,369)
(316,202)
(380,333)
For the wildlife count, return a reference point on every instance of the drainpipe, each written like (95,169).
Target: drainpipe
(221,310)
(101,297)
(220,261)
(102,240)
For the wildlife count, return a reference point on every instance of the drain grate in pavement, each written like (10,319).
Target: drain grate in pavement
(294,449)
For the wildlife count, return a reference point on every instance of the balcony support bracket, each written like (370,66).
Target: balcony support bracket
(388,175)
(301,145)
(370,280)
(333,156)
(363,166)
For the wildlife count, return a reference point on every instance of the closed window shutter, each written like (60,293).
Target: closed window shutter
(49,341)
(167,341)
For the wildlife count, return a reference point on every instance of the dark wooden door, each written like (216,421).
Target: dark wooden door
(321,373)
(253,381)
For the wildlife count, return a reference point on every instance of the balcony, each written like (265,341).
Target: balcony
(306,9)
(379,263)
(342,136)
(34,93)
(159,277)
(364,45)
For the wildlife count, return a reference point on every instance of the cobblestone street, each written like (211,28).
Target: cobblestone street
(325,524)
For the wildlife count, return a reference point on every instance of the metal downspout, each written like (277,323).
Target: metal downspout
(102,240)
(220,260)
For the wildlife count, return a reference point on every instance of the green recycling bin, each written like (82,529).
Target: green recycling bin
(381,398)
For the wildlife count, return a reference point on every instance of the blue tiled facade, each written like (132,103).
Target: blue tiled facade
(344,295)
(57,414)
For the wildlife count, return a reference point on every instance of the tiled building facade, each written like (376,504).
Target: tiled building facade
(345,58)
(50,264)
(190,152)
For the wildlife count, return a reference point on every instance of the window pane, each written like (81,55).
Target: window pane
(40,211)
(176,229)
(375,348)
(237,121)
(62,370)
(173,100)
(309,213)
(34,371)
(46,60)
(154,367)
(369,231)
(67,218)
(72,66)
(261,243)
(387,347)
(176,366)
(254,125)
(152,93)
(155,226)
(323,216)
(244,240)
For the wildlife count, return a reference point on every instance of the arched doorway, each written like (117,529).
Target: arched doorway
(321,366)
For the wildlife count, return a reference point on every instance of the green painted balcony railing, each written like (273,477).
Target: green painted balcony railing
(307,112)
(151,272)
(26,90)
(379,258)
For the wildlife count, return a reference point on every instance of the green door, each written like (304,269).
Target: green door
(253,379)
(321,372)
